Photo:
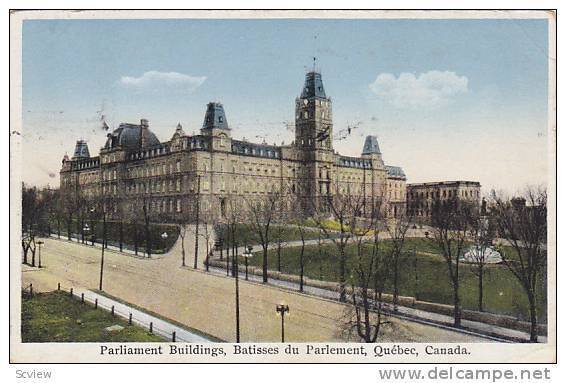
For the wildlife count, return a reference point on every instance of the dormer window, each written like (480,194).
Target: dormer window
(220,119)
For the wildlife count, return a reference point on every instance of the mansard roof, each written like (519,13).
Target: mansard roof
(81,150)
(395,171)
(132,137)
(313,86)
(215,117)
(371,146)
(258,150)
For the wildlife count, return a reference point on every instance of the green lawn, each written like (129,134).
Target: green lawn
(245,235)
(502,292)
(158,243)
(56,317)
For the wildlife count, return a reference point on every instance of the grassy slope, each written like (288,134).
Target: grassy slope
(158,243)
(502,292)
(245,235)
(56,317)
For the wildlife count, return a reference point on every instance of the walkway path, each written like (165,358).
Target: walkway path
(481,329)
(160,327)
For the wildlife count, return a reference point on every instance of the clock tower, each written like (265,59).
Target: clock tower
(313,136)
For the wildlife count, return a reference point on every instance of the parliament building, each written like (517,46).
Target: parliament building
(135,168)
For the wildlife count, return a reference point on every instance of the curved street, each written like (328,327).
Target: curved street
(206,301)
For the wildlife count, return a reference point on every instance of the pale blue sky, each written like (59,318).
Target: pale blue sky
(448,99)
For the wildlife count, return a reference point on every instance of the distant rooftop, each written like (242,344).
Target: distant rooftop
(444,183)
(371,146)
(215,117)
(395,171)
(81,150)
(132,136)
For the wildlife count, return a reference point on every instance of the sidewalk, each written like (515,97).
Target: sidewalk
(484,330)
(97,245)
(160,327)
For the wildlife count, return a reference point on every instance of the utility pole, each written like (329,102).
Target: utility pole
(147,228)
(121,235)
(197,219)
(235,261)
(103,242)
(39,243)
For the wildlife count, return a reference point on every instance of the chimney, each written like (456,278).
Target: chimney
(144,123)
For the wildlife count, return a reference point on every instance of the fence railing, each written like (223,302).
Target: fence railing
(119,311)
(27,291)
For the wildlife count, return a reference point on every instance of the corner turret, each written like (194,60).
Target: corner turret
(81,150)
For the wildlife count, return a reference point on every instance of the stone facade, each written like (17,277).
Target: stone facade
(421,197)
(134,167)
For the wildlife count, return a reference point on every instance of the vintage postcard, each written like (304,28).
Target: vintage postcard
(283,186)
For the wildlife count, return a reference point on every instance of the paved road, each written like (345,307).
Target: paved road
(444,321)
(206,301)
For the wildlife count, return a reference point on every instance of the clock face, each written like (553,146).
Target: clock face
(306,101)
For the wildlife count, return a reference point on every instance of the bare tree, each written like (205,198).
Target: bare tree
(207,233)
(81,204)
(31,211)
(182,234)
(264,211)
(299,222)
(98,207)
(481,234)
(397,228)
(370,273)
(522,223)
(70,207)
(197,200)
(278,231)
(345,207)
(450,229)
(133,219)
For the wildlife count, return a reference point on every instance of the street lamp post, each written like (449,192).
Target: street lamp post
(281,309)
(247,254)
(102,247)
(39,243)
(87,229)
(164,235)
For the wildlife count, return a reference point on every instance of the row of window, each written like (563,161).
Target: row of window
(305,115)
(396,194)
(86,165)
(154,170)
(446,193)
(154,186)
(254,151)
(167,205)
(159,151)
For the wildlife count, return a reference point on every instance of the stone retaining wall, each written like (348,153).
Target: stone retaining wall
(438,308)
